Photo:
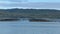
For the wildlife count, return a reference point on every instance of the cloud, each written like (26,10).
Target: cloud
(8,4)
(15,0)
(18,0)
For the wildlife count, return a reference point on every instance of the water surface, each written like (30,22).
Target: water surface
(26,27)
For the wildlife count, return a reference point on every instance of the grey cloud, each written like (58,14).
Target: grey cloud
(18,0)
(32,5)
(11,0)
(15,0)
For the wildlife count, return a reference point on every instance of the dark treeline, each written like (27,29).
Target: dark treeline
(30,13)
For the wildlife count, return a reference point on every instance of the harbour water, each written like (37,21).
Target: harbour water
(27,27)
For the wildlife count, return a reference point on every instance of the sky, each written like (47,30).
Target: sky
(54,4)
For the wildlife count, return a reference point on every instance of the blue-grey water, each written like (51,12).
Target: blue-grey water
(26,27)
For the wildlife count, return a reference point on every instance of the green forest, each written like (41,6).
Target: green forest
(29,13)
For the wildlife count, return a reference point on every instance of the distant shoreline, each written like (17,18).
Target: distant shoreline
(31,19)
(30,13)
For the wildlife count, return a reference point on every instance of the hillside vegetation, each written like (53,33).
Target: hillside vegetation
(30,13)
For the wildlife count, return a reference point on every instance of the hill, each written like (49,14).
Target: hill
(30,13)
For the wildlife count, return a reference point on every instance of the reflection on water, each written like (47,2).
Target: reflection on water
(23,26)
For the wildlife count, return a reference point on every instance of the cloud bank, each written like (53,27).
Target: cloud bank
(21,4)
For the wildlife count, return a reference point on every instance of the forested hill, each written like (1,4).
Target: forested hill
(34,13)
(30,10)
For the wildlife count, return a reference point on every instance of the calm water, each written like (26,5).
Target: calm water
(26,27)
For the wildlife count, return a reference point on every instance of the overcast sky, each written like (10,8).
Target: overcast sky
(30,4)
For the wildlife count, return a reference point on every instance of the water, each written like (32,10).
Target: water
(26,27)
